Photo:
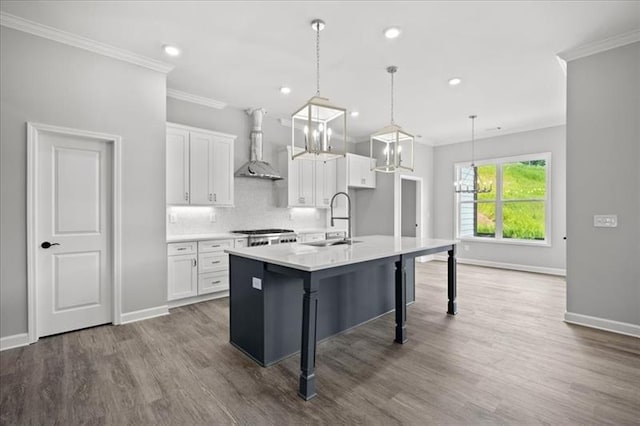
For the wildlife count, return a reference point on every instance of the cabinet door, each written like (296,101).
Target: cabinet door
(325,182)
(369,176)
(201,174)
(301,183)
(306,182)
(222,161)
(177,166)
(182,276)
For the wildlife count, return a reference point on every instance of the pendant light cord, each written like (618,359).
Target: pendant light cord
(392,87)
(318,59)
(473,142)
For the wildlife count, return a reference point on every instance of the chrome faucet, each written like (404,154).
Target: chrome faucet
(347,218)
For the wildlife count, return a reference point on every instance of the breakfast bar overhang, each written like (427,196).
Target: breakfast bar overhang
(284,298)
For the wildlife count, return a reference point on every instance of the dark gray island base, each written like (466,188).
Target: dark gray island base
(277,310)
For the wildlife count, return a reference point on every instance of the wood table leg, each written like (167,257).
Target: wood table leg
(452,307)
(401,301)
(307,386)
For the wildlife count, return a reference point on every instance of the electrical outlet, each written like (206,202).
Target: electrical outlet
(173,218)
(317,214)
(212,217)
(466,247)
(605,220)
(256,283)
(290,215)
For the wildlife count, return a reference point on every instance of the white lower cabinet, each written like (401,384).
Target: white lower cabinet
(182,276)
(196,268)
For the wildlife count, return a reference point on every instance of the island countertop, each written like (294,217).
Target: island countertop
(311,258)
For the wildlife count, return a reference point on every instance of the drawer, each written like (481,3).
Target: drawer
(210,283)
(189,247)
(213,262)
(214,245)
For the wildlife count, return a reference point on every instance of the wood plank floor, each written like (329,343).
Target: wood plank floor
(507,358)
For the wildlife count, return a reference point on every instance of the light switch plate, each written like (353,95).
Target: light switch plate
(212,217)
(173,218)
(605,220)
(256,283)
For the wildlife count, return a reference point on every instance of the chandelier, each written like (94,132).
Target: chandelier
(468,181)
(391,147)
(319,128)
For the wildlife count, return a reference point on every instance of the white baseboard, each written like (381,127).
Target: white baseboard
(197,299)
(603,324)
(14,341)
(512,266)
(144,314)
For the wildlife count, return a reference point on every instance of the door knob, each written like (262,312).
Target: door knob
(47,244)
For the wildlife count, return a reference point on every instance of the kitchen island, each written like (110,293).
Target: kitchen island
(286,297)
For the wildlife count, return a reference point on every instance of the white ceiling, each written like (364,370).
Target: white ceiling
(242,52)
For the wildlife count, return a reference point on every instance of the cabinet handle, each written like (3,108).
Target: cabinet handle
(215,261)
(215,197)
(181,248)
(186,196)
(216,282)
(217,245)
(195,262)
(301,200)
(210,197)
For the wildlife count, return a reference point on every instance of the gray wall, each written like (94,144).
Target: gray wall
(603,177)
(543,140)
(47,82)
(258,203)
(374,208)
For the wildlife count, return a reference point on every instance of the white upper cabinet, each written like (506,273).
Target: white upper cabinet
(177,166)
(199,166)
(222,171)
(359,171)
(202,164)
(301,183)
(325,182)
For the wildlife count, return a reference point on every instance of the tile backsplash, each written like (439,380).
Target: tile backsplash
(256,206)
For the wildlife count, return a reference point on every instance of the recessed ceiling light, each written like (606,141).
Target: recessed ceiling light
(355,113)
(392,32)
(455,81)
(171,50)
(285,90)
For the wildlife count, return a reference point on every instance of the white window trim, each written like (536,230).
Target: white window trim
(498,239)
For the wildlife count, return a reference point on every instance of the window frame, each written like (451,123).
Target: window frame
(499,201)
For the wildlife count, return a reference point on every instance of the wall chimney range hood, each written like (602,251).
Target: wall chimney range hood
(256,167)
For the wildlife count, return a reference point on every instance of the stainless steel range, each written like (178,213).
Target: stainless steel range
(263,237)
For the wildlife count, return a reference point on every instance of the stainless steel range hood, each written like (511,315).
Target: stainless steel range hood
(256,167)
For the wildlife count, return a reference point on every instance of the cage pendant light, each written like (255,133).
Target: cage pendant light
(391,148)
(319,128)
(468,181)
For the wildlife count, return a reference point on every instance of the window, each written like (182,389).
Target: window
(517,207)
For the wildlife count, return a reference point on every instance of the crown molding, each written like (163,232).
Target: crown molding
(50,33)
(195,99)
(600,46)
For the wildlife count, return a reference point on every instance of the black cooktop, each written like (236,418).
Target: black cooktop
(264,231)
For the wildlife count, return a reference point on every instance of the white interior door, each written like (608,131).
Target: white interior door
(74,232)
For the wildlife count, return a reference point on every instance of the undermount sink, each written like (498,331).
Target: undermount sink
(328,243)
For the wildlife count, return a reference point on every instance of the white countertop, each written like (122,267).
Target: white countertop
(201,237)
(311,258)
